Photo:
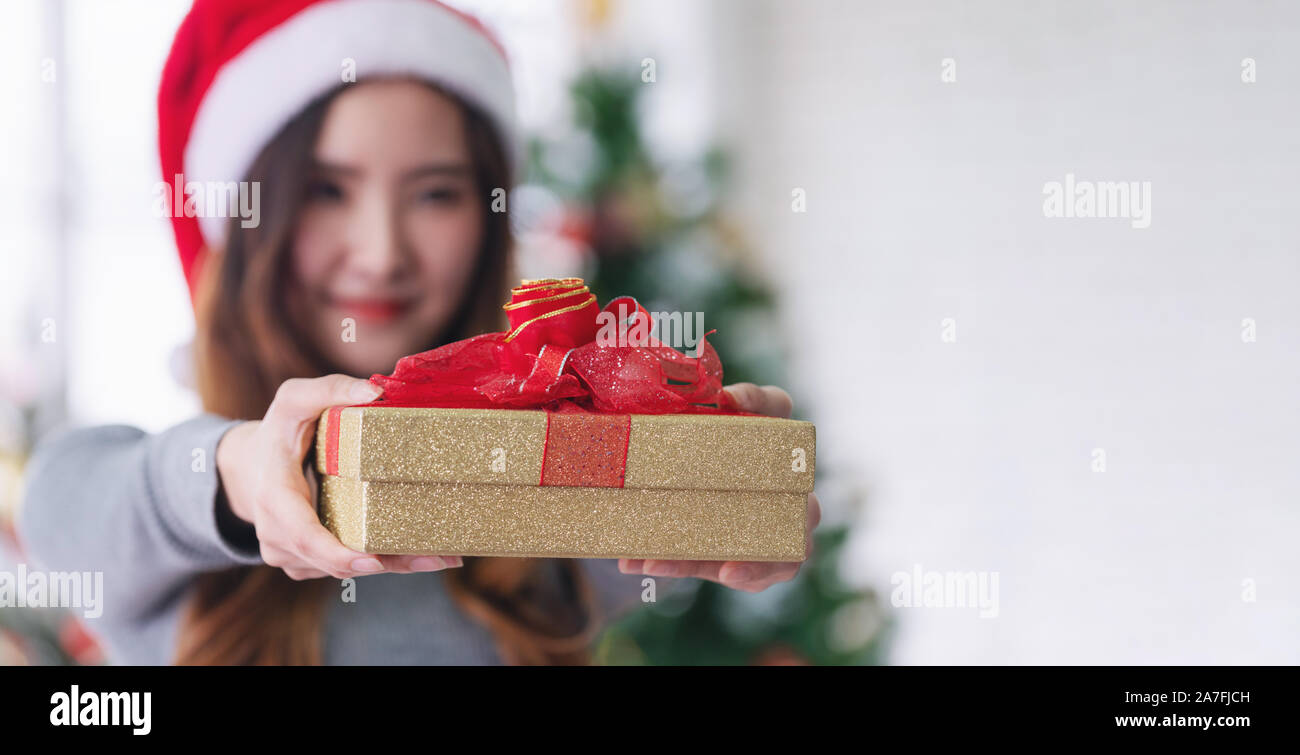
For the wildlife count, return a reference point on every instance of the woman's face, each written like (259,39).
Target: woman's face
(390,228)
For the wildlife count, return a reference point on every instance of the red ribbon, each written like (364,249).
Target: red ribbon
(589,368)
(563,353)
(586,450)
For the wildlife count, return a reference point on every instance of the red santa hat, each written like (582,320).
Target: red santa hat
(240,70)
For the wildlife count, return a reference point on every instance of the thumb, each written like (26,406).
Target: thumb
(769,400)
(301,400)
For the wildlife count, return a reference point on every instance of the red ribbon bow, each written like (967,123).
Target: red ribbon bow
(563,353)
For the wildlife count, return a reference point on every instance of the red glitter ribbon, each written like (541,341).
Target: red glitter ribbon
(332,440)
(586,450)
(552,358)
(589,368)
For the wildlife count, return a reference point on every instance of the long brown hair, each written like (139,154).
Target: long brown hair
(245,346)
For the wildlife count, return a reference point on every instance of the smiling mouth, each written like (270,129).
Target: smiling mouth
(373,310)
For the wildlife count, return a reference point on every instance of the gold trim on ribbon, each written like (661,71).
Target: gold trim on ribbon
(591,298)
(528,282)
(530,302)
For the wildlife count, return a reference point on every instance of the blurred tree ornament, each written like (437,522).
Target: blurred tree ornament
(594,14)
(79,644)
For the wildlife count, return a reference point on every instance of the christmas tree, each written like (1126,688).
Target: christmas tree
(657,232)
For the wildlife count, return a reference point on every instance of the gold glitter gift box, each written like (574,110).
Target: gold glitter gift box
(501,482)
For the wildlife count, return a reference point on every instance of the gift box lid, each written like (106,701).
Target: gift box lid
(535,447)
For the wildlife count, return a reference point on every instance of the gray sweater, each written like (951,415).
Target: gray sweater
(143,510)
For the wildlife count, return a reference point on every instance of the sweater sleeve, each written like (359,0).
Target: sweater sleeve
(145,510)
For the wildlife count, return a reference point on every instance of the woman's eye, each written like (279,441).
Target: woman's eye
(324,191)
(440,196)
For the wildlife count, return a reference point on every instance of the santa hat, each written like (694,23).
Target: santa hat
(240,70)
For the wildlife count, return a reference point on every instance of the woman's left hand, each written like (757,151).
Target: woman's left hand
(750,576)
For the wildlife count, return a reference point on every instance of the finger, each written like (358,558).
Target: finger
(755,576)
(659,568)
(417,563)
(299,401)
(768,400)
(697,569)
(290,563)
(761,583)
(298,531)
(320,549)
(292,524)
(631,565)
(278,557)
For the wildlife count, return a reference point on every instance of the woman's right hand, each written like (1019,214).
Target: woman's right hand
(261,468)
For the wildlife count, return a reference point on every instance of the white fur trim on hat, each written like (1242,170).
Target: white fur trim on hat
(259,91)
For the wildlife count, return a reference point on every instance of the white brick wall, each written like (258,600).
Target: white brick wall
(924,203)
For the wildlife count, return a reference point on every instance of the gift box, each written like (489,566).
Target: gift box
(555,440)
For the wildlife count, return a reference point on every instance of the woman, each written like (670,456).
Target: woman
(375,239)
